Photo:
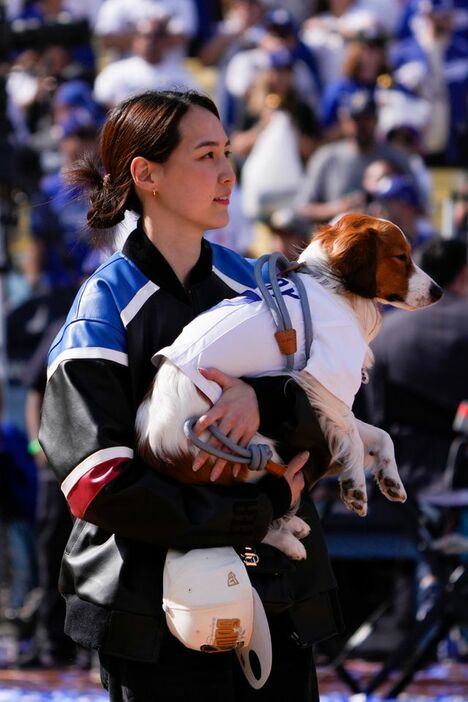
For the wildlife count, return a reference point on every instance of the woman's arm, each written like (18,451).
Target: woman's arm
(87,432)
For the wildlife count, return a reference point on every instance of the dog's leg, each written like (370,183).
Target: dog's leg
(379,456)
(346,448)
(352,478)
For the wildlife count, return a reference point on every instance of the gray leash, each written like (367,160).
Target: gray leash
(258,456)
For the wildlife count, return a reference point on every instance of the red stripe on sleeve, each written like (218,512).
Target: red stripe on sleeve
(90,485)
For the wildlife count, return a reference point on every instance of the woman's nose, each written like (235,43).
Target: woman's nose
(228,174)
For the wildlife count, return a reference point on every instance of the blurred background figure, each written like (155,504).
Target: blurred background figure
(328,31)
(239,30)
(18,555)
(48,646)
(116,21)
(409,11)
(280,35)
(58,252)
(455,210)
(333,181)
(150,65)
(276,134)
(365,67)
(420,373)
(408,138)
(397,199)
(433,62)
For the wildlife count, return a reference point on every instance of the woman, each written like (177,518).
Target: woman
(166,156)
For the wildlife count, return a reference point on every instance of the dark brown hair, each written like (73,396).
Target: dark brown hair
(146,125)
(353,61)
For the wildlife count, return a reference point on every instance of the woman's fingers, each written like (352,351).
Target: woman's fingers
(224,380)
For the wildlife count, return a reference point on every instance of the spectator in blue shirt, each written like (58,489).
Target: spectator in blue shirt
(435,59)
(60,251)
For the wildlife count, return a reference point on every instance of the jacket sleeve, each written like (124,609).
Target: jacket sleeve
(87,432)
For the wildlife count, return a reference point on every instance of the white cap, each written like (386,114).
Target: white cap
(211,606)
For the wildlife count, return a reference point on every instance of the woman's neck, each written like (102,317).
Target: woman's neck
(181,250)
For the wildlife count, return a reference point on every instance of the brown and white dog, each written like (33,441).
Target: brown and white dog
(360,261)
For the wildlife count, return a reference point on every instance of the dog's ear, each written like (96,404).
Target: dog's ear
(353,255)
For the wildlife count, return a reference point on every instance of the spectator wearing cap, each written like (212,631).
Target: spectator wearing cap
(435,60)
(408,139)
(75,95)
(150,67)
(280,35)
(397,198)
(58,250)
(333,181)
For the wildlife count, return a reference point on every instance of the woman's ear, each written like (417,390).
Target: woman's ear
(146,174)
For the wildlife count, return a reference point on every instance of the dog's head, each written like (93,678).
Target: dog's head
(371,257)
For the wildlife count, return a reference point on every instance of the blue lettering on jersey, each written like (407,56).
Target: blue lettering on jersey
(245,298)
(249,296)
(289,291)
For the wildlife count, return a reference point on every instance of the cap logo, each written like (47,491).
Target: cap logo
(232,579)
(226,634)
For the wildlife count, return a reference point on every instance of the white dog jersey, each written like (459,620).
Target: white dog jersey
(237,337)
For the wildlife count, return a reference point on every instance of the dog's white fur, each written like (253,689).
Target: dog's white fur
(354,445)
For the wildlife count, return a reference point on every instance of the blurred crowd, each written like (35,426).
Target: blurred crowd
(330,106)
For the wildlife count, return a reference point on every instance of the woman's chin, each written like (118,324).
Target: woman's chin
(218,222)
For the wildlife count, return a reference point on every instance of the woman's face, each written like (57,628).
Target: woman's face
(196,181)
(372,60)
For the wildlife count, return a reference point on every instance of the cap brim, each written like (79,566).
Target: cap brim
(256,658)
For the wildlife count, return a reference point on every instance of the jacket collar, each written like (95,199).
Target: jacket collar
(139,249)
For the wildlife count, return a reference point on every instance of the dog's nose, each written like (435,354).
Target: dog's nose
(435,292)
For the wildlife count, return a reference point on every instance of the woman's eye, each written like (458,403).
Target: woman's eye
(210,154)
(401,257)
(228,154)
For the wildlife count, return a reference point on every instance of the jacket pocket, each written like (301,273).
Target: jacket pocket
(269,572)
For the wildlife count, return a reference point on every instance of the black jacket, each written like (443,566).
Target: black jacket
(126,515)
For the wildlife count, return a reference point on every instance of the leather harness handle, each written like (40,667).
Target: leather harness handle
(278,469)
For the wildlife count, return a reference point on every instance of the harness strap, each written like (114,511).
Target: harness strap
(271,293)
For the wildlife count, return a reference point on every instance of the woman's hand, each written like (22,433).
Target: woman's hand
(295,477)
(235,413)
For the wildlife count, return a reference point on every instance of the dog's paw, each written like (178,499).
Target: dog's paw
(294,549)
(284,541)
(298,527)
(354,497)
(392,489)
